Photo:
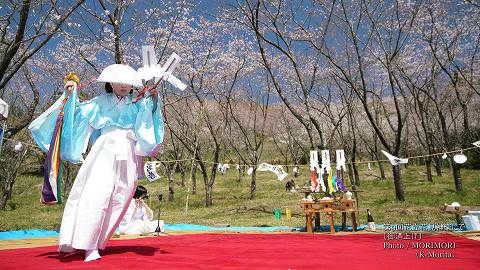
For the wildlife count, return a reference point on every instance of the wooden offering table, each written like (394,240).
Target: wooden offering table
(329,208)
(459,211)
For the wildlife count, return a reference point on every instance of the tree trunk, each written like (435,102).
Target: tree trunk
(208,183)
(382,170)
(397,181)
(239,176)
(428,164)
(457,178)
(354,158)
(208,195)
(118,48)
(194,178)
(438,166)
(9,169)
(356,175)
(171,190)
(182,175)
(350,174)
(3,200)
(253,183)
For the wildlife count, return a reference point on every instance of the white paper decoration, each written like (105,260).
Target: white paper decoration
(460,158)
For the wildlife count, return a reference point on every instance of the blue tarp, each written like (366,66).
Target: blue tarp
(168,227)
(26,234)
(194,227)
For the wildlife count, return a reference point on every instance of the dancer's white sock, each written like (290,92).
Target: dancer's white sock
(91,255)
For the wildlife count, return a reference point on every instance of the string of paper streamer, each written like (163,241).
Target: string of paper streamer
(150,169)
(395,159)
(222,168)
(459,158)
(265,167)
(152,174)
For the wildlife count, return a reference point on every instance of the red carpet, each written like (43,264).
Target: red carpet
(253,251)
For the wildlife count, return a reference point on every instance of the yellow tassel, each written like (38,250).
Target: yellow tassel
(72,76)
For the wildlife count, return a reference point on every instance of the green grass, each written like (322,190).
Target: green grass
(232,206)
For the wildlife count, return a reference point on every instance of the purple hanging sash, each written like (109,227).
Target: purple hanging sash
(52,184)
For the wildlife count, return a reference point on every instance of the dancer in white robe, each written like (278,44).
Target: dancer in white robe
(139,217)
(121,133)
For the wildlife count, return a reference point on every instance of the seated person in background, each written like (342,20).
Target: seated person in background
(290,186)
(139,217)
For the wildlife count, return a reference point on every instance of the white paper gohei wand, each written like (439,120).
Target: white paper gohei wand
(151,70)
(314,166)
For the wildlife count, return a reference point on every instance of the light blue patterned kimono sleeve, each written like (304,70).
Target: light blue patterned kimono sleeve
(42,127)
(149,127)
(76,128)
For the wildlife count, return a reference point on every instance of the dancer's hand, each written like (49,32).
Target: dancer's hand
(153,91)
(69,85)
(148,89)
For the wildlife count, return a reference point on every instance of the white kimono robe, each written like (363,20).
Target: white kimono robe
(121,132)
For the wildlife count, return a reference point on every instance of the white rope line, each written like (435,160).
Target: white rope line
(26,144)
(284,165)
